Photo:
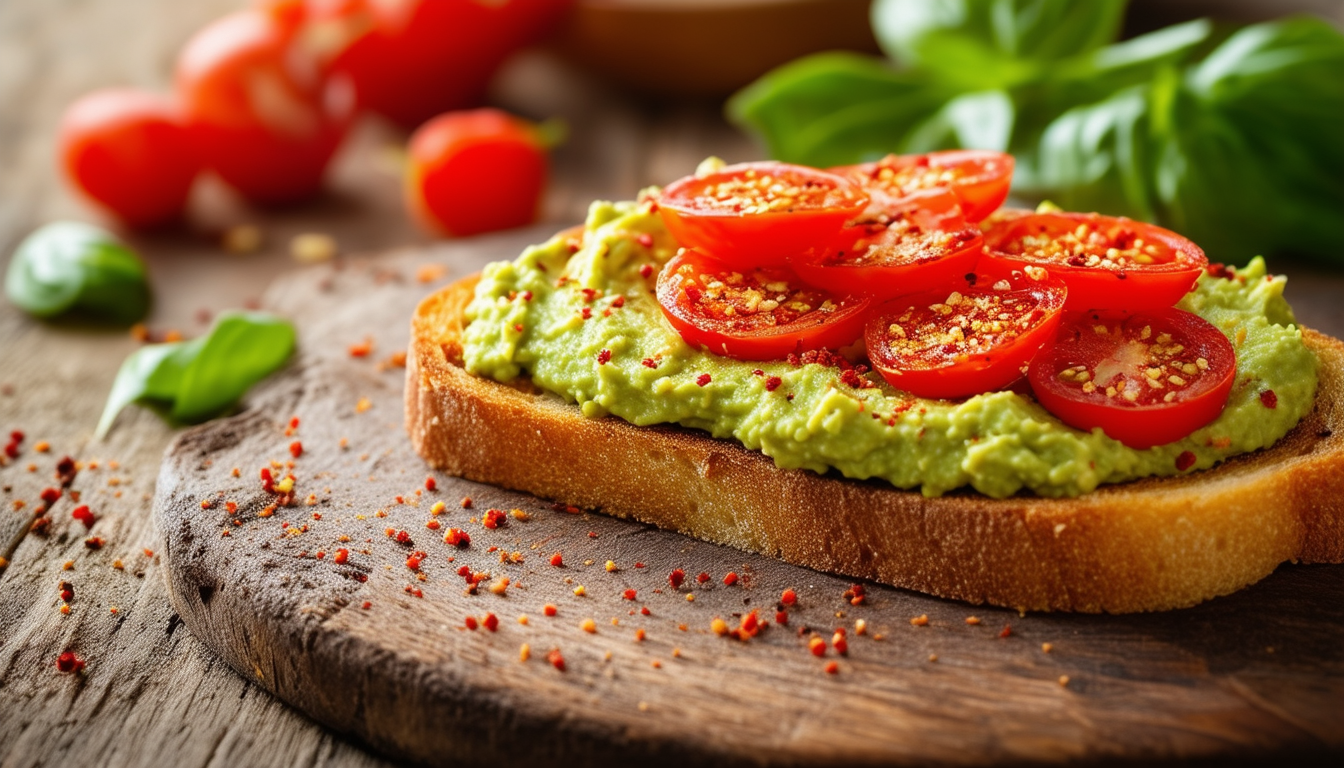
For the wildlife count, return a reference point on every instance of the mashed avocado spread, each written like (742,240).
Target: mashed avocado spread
(585,325)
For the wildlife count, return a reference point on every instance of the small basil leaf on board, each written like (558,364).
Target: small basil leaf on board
(71,268)
(195,380)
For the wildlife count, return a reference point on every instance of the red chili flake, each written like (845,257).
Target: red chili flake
(1269,399)
(618,302)
(649,362)
(431,484)
(1006,631)
(548,609)
(592,534)
(817,646)
(231,507)
(676,577)
(839,643)
(1185,461)
(471,623)
(367,605)
(1214,269)
(556,659)
(413,562)
(320,555)
(494,518)
(83,515)
(702,577)
(342,557)
(50,495)
(730,579)
(362,349)
(67,591)
(645,270)
(604,357)
(644,239)
(586,312)
(432,524)
(557,560)
(772,383)
(294,423)
(703,380)
(69,662)
(464,571)
(40,526)
(415,591)
(491,622)
(457,538)
(95,542)
(66,471)
(403,537)
(267,480)
(832,668)
(644,610)
(788,597)
(466,502)
(781,618)
(12,450)
(629,594)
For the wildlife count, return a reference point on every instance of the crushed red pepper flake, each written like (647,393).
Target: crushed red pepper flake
(50,495)
(817,646)
(490,622)
(781,618)
(557,560)
(471,623)
(788,597)
(431,484)
(83,515)
(69,662)
(832,668)
(556,660)
(1185,461)
(494,518)
(342,556)
(548,610)
(457,537)
(730,579)
(604,357)
(1269,399)
(1006,631)
(95,542)
(702,577)
(296,449)
(839,642)
(921,620)
(703,380)
(629,594)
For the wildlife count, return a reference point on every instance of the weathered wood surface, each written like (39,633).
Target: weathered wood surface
(1257,673)
(153,694)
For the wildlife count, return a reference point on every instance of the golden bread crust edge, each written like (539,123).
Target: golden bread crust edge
(1149,545)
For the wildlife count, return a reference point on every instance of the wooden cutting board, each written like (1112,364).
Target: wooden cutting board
(375,649)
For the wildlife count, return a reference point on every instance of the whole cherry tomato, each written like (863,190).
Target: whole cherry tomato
(127,150)
(753,314)
(756,214)
(1107,262)
(967,340)
(260,106)
(920,245)
(475,171)
(1145,378)
(425,57)
(979,178)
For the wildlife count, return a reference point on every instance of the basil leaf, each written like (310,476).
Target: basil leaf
(835,108)
(992,43)
(70,268)
(195,380)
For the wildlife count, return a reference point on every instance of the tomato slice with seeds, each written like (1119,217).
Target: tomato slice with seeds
(755,314)
(976,338)
(923,244)
(1145,379)
(1108,262)
(757,214)
(979,178)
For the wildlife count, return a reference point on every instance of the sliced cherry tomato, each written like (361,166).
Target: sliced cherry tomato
(475,171)
(1146,379)
(128,151)
(923,244)
(753,314)
(980,178)
(425,57)
(259,105)
(757,214)
(1107,262)
(975,338)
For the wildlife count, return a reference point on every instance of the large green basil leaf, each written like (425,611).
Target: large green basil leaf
(194,380)
(70,268)
(990,44)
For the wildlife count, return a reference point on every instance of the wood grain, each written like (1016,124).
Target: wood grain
(1257,673)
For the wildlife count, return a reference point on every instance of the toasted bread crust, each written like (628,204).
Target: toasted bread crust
(1148,545)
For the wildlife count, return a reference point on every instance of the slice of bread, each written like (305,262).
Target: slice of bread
(1148,545)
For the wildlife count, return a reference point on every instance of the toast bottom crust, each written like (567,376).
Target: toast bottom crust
(1149,545)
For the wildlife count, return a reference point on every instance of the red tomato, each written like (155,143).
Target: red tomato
(475,171)
(1146,379)
(260,107)
(424,57)
(760,314)
(759,213)
(959,342)
(1107,262)
(128,151)
(980,178)
(922,245)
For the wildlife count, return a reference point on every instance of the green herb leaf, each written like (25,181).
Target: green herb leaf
(69,268)
(195,380)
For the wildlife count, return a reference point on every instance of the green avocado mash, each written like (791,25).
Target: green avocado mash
(584,324)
